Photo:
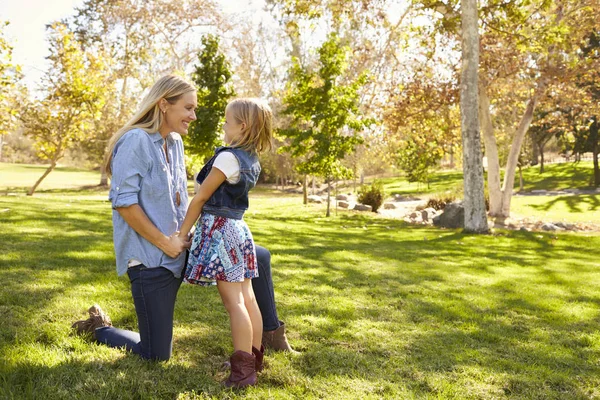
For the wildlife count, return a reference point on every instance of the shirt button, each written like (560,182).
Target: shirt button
(117,188)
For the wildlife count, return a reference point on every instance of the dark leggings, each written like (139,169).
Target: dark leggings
(154,291)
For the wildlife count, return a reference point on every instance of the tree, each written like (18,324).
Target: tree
(74,94)
(325,116)
(10,75)
(141,40)
(212,78)
(474,201)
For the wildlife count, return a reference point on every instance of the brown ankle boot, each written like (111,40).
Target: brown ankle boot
(276,340)
(259,355)
(243,370)
(97,319)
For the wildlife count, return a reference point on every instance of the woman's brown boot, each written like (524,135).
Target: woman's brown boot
(243,370)
(276,340)
(97,319)
(259,355)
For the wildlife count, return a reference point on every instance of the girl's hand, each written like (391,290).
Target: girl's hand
(173,246)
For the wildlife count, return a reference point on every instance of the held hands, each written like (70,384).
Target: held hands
(175,244)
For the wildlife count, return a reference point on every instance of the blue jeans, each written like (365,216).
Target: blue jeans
(263,290)
(154,291)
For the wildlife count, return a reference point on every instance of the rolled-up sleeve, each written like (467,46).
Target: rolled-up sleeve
(129,165)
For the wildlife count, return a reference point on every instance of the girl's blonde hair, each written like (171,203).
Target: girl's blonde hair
(258,117)
(149,116)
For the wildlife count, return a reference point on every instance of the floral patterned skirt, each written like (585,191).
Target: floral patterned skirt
(222,249)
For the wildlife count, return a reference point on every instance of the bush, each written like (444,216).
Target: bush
(439,201)
(371,195)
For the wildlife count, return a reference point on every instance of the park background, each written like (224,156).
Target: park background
(366,97)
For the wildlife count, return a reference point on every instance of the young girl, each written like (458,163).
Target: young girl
(222,249)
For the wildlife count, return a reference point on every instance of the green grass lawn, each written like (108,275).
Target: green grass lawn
(378,309)
(555,177)
(18,178)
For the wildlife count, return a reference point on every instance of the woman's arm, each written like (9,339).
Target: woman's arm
(135,217)
(212,182)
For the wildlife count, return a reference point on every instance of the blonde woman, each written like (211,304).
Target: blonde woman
(149,199)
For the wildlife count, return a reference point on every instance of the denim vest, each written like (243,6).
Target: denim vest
(231,200)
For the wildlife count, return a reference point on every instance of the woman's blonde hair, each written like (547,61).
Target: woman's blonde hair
(258,117)
(149,116)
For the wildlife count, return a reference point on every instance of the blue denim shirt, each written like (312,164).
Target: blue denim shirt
(141,175)
(231,200)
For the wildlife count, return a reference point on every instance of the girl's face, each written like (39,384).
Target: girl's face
(233,129)
(179,115)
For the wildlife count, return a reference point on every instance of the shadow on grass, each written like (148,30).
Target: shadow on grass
(575,203)
(370,298)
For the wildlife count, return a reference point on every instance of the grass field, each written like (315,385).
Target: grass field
(378,309)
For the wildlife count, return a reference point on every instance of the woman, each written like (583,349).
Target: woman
(149,199)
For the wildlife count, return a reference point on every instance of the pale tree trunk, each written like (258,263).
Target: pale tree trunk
(328,197)
(103,176)
(305,190)
(515,149)
(1,145)
(474,201)
(491,152)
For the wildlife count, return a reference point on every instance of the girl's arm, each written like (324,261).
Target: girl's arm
(212,182)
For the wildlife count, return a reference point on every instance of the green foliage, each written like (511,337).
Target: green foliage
(212,78)
(74,88)
(371,195)
(326,119)
(418,156)
(9,77)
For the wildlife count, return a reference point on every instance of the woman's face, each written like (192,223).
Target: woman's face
(233,129)
(179,115)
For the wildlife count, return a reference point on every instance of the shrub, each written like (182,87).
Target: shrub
(439,201)
(371,195)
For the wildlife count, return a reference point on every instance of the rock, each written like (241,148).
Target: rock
(362,207)
(549,227)
(343,204)
(452,217)
(389,206)
(565,225)
(315,199)
(428,214)
(524,229)
(341,197)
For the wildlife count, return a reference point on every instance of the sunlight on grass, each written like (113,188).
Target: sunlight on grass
(377,308)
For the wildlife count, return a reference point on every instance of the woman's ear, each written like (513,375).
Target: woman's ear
(163,104)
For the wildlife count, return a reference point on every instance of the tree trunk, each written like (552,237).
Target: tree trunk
(515,149)
(491,152)
(595,149)
(50,169)
(541,151)
(103,176)
(520,179)
(1,145)
(474,201)
(328,197)
(305,190)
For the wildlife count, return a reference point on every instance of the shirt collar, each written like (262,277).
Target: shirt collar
(156,137)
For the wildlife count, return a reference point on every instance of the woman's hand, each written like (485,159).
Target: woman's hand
(174,245)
